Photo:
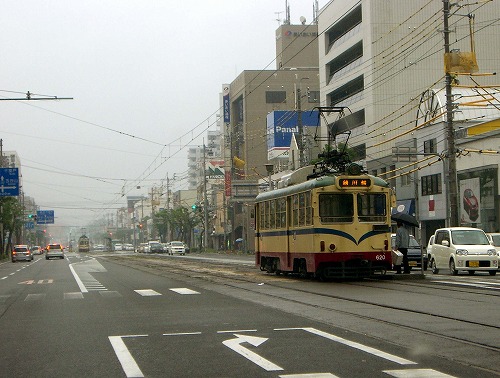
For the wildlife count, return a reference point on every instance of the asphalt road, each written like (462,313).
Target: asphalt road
(87,316)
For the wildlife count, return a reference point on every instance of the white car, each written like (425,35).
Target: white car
(176,247)
(429,248)
(463,248)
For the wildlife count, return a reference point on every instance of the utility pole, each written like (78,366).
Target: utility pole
(205,199)
(300,127)
(453,219)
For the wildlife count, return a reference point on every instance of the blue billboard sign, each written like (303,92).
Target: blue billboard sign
(281,125)
(45,216)
(9,182)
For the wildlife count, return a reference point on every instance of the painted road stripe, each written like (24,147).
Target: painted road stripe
(310,375)
(417,373)
(34,297)
(82,287)
(184,290)
(128,363)
(110,294)
(76,295)
(147,292)
(352,344)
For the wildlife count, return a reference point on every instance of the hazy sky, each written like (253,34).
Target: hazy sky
(145,77)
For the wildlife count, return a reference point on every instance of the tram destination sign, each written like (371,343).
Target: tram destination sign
(9,182)
(354,183)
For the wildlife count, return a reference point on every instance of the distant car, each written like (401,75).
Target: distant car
(155,247)
(176,247)
(36,250)
(471,204)
(99,247)
(128,247)
(118,247)
(54,250)
(186,248)
(21,253)
(463,248)
(414,252)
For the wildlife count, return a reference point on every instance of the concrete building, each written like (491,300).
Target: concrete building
(379,60)
(293,85)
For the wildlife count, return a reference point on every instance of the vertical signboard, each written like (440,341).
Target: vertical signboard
(9,182)
(226,104)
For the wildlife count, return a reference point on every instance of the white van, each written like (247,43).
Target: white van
(463,248)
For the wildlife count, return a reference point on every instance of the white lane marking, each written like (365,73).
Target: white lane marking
(184,290)
(352,344)
(3,298)
(478,285)
(310,375)
(417,373)
(81,271)
(182,334)
(82,287)
(235,344)
(238,331)
(3,278)
(76,295)
(147,292)
(34,297)
(128,363)
(110,294)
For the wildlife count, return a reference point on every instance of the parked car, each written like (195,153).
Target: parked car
(176,247)
(428,250)
(471,204)
(463,248)
(143,248)
(21,253)
(118,247)
(36,250)
(54,250)
(186,248)
(415,253)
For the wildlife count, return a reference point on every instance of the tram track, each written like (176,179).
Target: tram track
(283,293)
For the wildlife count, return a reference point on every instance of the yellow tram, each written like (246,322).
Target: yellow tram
(331,225)
(83,244)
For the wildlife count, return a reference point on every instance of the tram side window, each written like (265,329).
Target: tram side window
(281,212)
(272,214)
(301,209)
(371,207)
(336,208)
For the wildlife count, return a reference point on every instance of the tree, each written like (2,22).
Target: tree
(11,216)
(179,223)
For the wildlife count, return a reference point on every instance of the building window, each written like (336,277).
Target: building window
(430,146)
(347,90)
(344,27)
(275,97)
(431,184)
(405,180)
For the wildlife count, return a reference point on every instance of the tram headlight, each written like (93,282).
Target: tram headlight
(332,247)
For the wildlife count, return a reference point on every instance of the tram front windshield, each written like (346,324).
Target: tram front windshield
(339,207)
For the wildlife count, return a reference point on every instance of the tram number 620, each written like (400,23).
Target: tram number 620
(380,257)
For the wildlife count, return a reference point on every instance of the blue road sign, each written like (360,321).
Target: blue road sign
(29,225)
(9,182)
(45,216)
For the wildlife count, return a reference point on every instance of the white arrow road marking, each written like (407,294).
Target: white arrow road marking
(235,344)
(128,363)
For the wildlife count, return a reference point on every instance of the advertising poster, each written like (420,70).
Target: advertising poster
(470,201)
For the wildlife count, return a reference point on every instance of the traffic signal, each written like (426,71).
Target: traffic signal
(194,206)
(140,225)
